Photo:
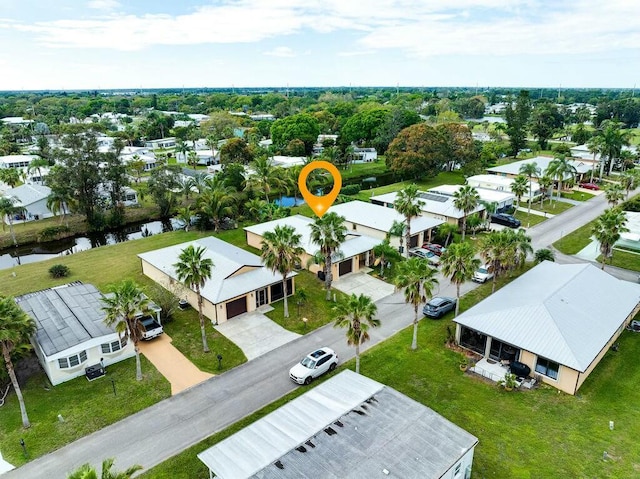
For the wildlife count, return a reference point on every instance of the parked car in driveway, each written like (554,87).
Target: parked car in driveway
(505,219)
(313,365)
(439,306)
(482,274)
(435,248)
(424,253)
(589,186)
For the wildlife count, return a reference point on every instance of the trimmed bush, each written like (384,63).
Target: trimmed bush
(350,190)
(59,271)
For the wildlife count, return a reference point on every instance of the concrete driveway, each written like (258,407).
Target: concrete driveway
(362,283)
(255,333)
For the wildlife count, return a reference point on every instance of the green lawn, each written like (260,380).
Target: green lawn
(577,195)
(528,220)
(552,207)
(85,407)
(624,259)
(444,178)
(534,434)
(575,241)
(364,170)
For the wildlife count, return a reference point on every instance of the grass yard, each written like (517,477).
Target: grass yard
(535,434)
(363,170)
(85,406)
(528,220)
(316,308)
(444,178)
(575,241)
(553,207)
(624,259)
(577,195)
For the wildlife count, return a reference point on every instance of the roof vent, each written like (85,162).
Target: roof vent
(301,449)
(330,431)
(279,465)
(364,406)
(358,411)
(310,444)
(339,424)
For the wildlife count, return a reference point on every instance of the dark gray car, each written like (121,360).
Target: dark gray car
(439,306)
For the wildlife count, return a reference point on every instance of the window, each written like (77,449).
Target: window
(457,471)
(548,368)
(112,347)
(72,361)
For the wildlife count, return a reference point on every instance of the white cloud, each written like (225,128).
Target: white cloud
(281,52)
(104,4)
(356,53)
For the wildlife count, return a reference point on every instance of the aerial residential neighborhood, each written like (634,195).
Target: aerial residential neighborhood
(270,240)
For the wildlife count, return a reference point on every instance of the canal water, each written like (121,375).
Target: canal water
(33,253)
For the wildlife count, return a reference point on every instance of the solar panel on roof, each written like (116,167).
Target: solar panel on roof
(432,197)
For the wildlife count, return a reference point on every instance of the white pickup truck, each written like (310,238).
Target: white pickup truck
(151,327)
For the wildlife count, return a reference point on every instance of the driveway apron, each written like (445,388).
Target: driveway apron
(361,283)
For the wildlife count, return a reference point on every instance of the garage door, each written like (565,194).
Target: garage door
(345,267)
(236,307)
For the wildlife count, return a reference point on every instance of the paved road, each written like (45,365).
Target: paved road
(167,428)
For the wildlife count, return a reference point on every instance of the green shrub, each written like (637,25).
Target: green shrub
(350,190)
(52,232)
(59,271)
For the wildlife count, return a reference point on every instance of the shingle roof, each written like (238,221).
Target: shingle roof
(65,316)
(566,313)
(227,259)
(348,427)
(379,217)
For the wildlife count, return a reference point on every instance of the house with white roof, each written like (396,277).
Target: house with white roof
(434,205)
(502,199)
(364,155)
(375,221)
(288,161)
(240,282)
(348,427)
(558,319)
(161,143)
(71,334)
(500,183)
(33,198)
(16,161)
(355,252)
(511,170)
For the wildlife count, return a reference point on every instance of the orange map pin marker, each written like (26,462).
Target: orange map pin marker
(320,204)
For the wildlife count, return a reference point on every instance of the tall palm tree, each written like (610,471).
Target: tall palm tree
(447,230)
(328,232)
(614,193)
(9,208)
(466,199)
(519,188)
(521,243)
(418,280)
(58,202)
(194,270)
(562,169)
(216,203)
(357,314)
(87,471)
(530,170)
(10,176)
(629,180)
(182,147)
(212,143)
(265,177)
(409,205)
(498,253)
(16,327)
(281,251)
(36,165)
(545,182)
(384,252)
(398,228)
(607,229)
(123,310)
(613,139)
(459,263)
(595,146)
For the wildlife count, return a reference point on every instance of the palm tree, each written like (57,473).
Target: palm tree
(357,314)
(216,203)
(36,165)
(383,252)
(519,187)
(184,215)
(459,263)
(328,232)
(418,280)
(398,228)
(498,253)
(613,139)
(16,328)
(530,170)
(87,471)
(123,309)
(194,269)
(521,242)
(595,146)
(629,180)
(614,193)
(9,208)
(409,205)
(545,182)
(10,176)
(607,229)
(58,202)
(265,177)
(466,199)
(212,143)
(281,251)
(544,254)
(182,147)
(447,230)
(561,168)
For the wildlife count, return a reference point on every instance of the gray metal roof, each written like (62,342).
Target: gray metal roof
(227,280)
(566,313)
(542,162)
(379,217)
(432,203)
(349,426)
(65,316)
(29,194)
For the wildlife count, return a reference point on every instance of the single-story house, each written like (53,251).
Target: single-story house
(364,155)
(16,161)
(288,161)
(437,206)
(205,157)
(161,143)
(239,282)
(502,199)
(71,334)
(500,183)
(558,319)
(511,170)
(631,238)
(33,198)
(15,121)
(349,427)
(376,220)
(355,252)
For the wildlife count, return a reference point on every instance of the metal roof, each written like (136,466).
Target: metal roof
(29,194)
(432,203)
(235,271)
(486,194)
(354,243)
(379,217)
(66,316)
(542,162)
(349,426)
(566,313)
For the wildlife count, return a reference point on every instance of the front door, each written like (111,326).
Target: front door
(261,297)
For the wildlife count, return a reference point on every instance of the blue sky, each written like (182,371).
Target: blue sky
(74,44)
